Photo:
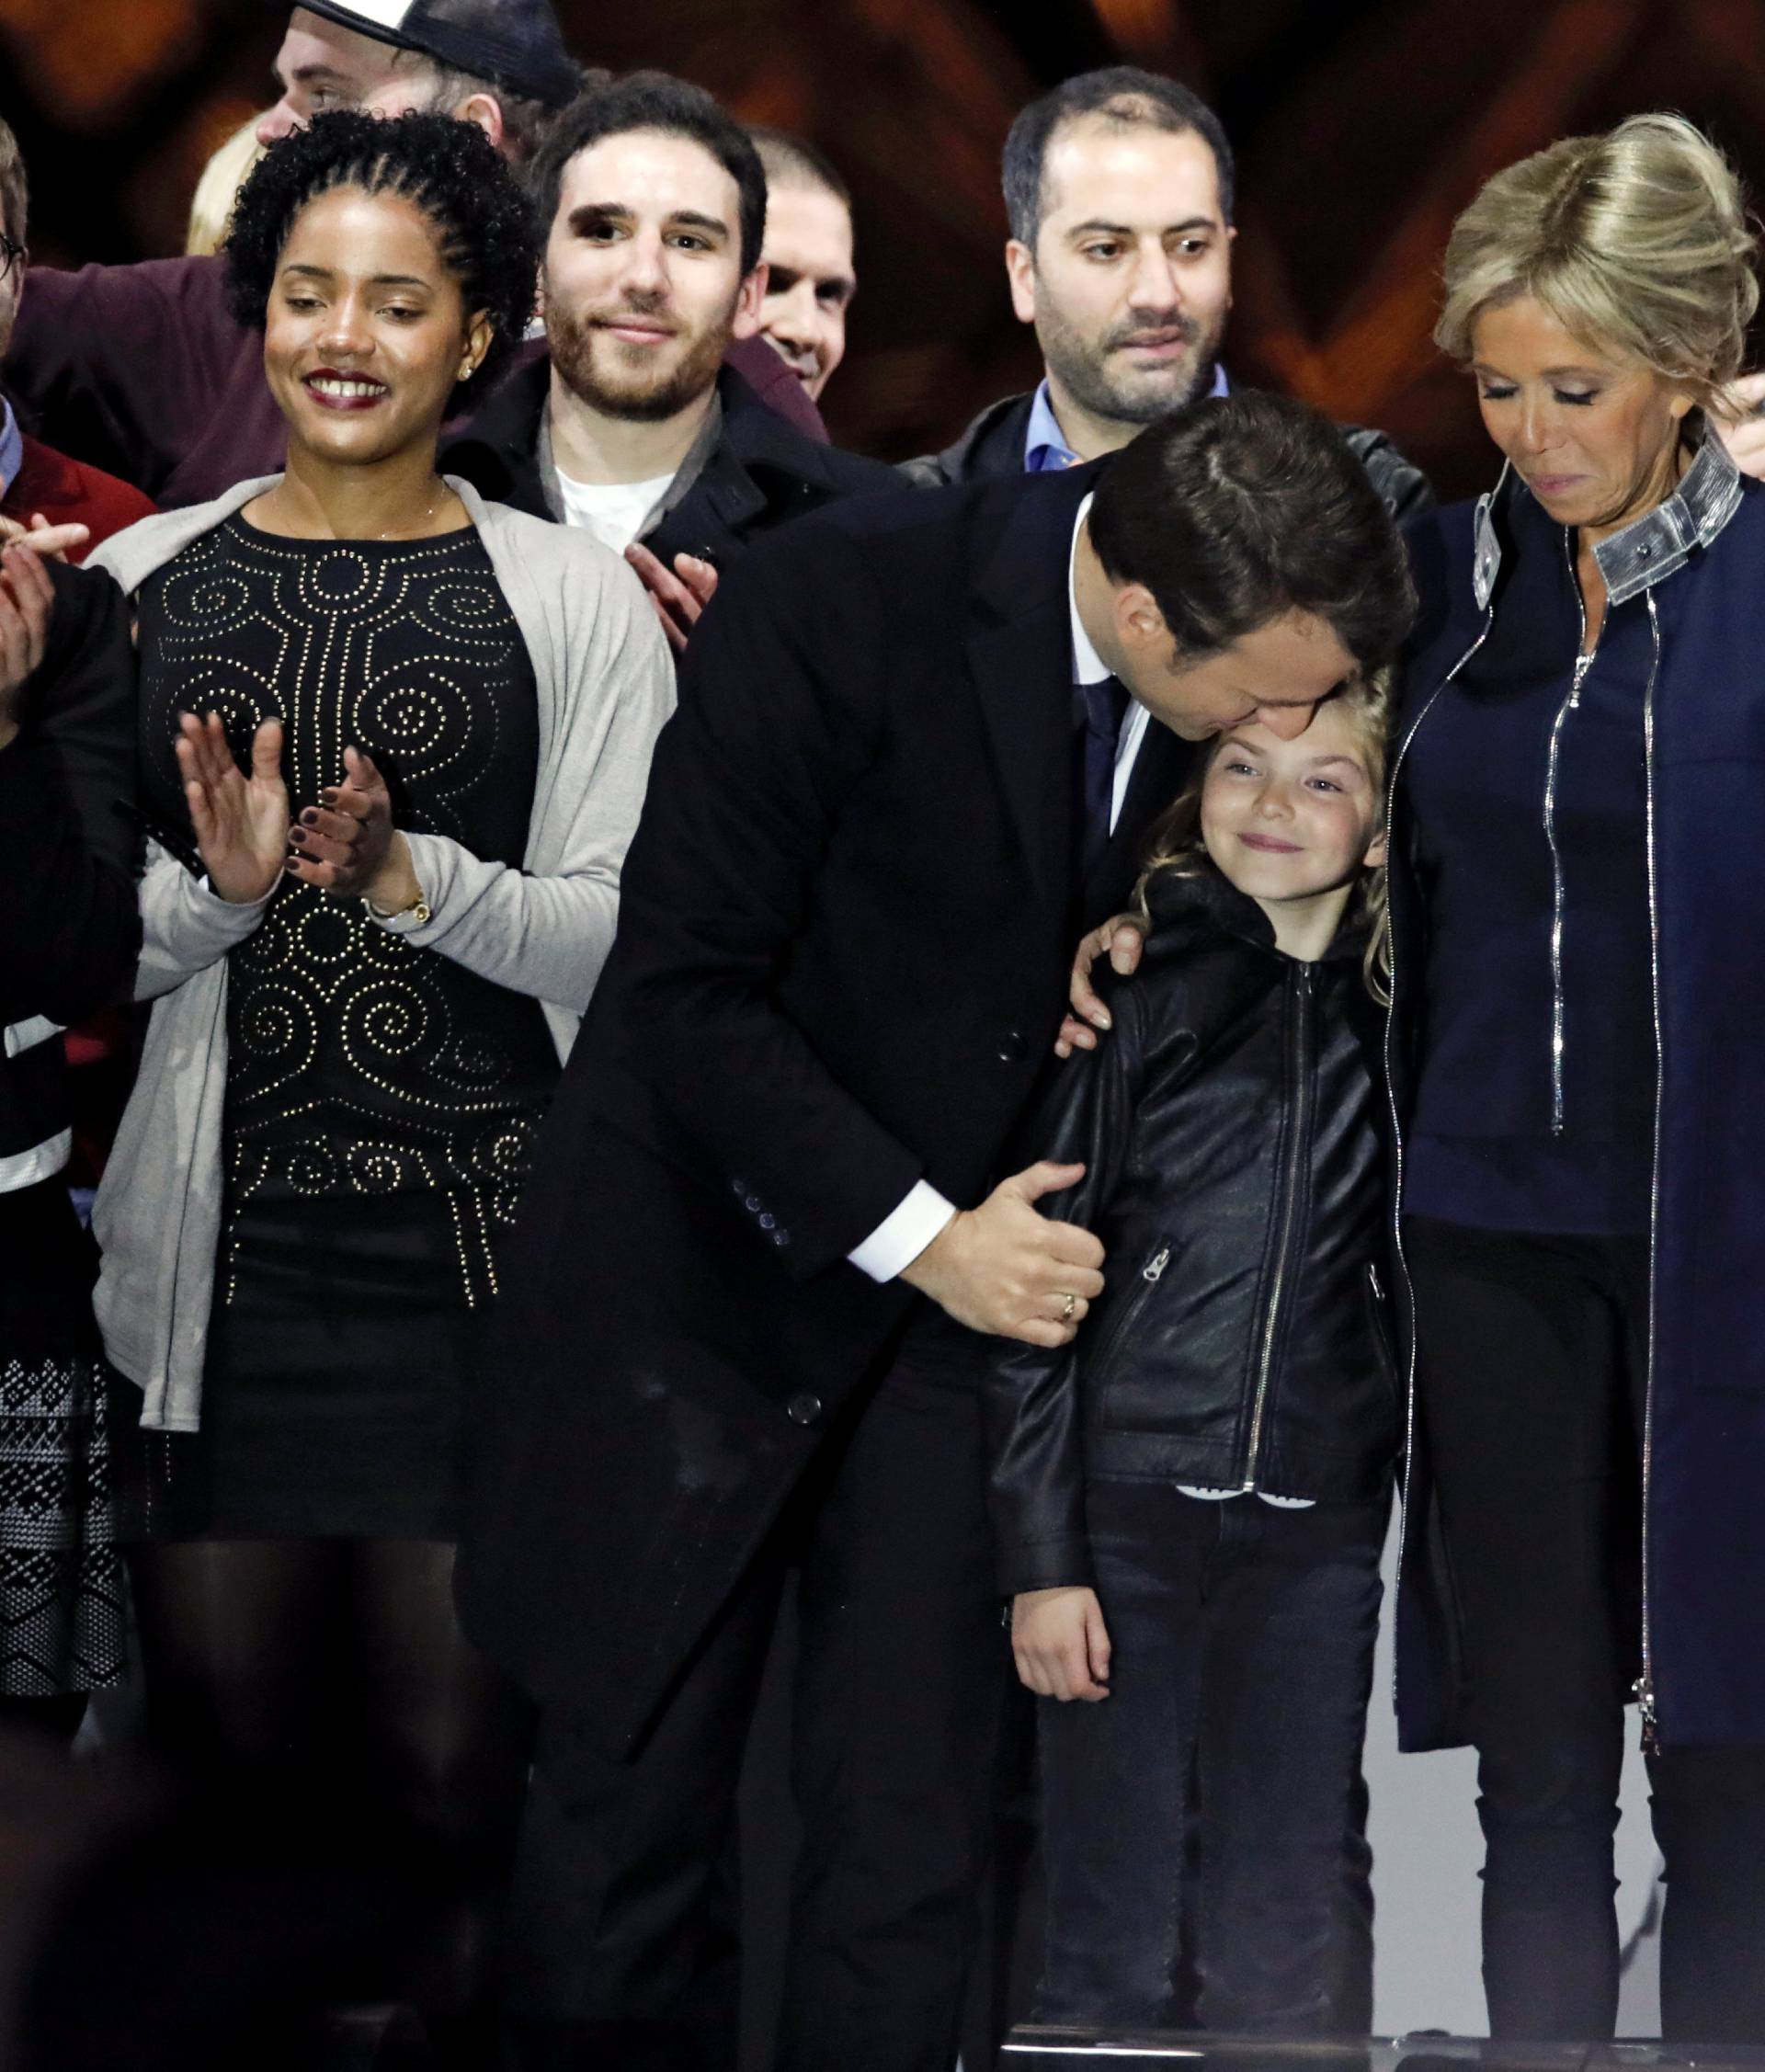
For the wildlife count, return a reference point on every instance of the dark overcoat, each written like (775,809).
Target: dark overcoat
(845,923)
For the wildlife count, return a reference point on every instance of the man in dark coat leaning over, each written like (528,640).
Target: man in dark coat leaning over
(920,742)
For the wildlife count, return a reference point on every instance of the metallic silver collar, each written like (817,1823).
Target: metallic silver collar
(1654,546)
(1661,540)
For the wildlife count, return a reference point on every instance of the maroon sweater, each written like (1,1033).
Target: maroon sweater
(69,493)
(142,370)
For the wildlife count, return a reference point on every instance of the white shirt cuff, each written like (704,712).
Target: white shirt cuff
(900,1238)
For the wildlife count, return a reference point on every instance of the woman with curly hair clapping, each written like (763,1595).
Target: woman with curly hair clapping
(394,741)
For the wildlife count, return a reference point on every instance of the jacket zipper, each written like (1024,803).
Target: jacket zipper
(1298,1145)
(1645,1682)
(1398,754)
(1150,1275)
(1382,1323)
(1583,663)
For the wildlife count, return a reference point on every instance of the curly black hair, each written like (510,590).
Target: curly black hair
(484,222)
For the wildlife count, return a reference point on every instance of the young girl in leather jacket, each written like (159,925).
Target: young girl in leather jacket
(1188,1505)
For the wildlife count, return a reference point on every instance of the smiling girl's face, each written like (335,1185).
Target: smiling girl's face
(1596,440)
(1289,822)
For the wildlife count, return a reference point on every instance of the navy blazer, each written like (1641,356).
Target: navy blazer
(1692,571)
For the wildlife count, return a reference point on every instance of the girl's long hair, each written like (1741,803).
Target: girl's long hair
(1174,843)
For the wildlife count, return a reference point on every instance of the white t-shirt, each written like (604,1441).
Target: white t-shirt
(613,511)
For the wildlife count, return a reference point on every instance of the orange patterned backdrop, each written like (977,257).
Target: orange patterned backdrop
(1363,125)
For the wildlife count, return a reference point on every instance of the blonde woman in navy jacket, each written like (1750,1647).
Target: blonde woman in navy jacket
(1579,900)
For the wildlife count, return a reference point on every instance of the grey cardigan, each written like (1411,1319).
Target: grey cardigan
(606,686)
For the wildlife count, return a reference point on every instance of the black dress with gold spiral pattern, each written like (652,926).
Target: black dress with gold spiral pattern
(381,1099)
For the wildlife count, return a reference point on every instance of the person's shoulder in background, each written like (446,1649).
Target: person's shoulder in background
(766,373)
(70,492)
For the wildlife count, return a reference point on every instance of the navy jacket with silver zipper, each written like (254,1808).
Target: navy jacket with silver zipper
(1692,576)
(1234,1173)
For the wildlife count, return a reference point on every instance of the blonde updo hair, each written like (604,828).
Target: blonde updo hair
(1636,242)
(218,189)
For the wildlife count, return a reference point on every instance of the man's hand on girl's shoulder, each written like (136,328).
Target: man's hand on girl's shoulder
(1120,940)
(1060,1642)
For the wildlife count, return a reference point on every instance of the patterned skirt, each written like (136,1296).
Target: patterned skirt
(63,1609)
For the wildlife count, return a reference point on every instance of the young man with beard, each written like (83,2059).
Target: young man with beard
(810,276)
(1118,190)
(143,371)
(634,425)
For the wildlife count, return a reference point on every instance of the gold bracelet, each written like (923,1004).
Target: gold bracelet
(418,908)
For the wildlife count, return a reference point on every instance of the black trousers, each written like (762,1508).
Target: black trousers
(1242,1638)
(322,1689)
(623,1940)
(1531,1369)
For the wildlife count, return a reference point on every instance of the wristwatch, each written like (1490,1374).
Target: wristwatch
(418,909)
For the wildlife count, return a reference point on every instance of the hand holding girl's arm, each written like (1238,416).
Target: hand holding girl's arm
(1061,1644)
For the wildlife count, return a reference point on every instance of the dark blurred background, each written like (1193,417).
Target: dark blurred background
(1362,127)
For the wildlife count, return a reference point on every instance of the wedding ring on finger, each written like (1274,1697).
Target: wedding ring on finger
(1068,1307)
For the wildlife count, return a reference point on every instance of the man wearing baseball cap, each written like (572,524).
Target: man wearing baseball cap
(143,371)
(500,63)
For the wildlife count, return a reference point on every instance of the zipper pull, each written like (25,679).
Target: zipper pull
(1155,1265)
(1583,663)
(1646,1702)
(1378,1285)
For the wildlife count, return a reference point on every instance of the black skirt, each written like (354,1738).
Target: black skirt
(342,1348)
(63,1618)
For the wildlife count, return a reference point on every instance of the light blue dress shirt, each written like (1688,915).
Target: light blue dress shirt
(12,448)
(1044,444)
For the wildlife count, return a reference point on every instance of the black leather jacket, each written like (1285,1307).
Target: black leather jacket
(993,445)
(1233,1171)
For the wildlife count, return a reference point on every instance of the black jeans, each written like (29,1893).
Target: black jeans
(1243,1637)
(624,1950)
(1532,1369)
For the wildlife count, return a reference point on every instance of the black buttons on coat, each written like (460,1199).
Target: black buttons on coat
(803,1408)
(761,1214)
(1014,1047)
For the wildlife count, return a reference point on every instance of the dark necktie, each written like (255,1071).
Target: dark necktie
(1101,709)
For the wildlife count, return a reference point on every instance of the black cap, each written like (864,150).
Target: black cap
(512,43)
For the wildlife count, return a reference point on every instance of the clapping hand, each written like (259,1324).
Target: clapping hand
(50,543)
(240,818)
(27,599)
(347,845)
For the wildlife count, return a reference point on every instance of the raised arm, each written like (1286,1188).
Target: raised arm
(115,363)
